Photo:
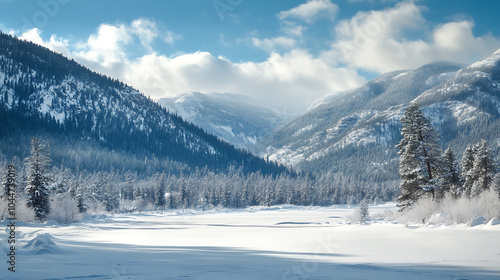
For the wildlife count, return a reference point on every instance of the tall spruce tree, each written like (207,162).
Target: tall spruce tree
(37,189)
(160,201)
(451,181)
(420,162)
(483,169)
(467,164)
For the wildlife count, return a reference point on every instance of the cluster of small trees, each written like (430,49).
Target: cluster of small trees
(427,172)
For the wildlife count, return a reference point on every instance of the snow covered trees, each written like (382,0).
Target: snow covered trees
(37,189)
(467,165)
(420,161)
(450,178)
(424,171)
(483,169)
(478,169)
(362,212)
(160,201)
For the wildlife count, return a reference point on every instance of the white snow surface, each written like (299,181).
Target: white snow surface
(490,61)
(400,75)
(282,242)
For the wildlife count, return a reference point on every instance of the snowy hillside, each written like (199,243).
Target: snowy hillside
(341,131)
(236,119)
(355,132)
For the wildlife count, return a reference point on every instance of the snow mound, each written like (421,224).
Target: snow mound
(438,218)
(51,223)
(41,245)
(494,222)
(477,220)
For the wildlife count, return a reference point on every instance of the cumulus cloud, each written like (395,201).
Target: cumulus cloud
(292,80)
(376,40)
(288,81)
(107,46)
(291,77)
(106,51)
(310,10)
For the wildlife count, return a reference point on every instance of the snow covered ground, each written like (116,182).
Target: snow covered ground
(257,243)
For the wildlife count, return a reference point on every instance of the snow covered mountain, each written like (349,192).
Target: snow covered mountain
(354,132)
(44,93)
(234,118)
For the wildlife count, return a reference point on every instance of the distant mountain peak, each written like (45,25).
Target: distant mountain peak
(237,119)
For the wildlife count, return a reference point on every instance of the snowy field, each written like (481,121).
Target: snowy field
(256,243)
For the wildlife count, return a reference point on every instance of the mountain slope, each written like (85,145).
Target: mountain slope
(354,133)
(43,92)
(330,123)
(237,119)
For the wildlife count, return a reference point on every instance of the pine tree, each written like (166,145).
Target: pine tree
(170,200)
(160,201)
(420,162)
(111,198)
(82,208)
(467,164)
(483,169)
(183,196)
(362,212)
(450,177)
(37,188)
(495,185)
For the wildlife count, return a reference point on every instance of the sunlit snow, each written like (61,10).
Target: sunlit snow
(282,242)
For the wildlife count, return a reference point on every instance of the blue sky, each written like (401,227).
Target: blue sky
(284,53)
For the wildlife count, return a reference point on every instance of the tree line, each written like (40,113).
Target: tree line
(59,193)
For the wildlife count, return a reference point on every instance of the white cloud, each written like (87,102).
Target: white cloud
(311,10)
(33,35)
(289,81)
(146,30)
(107,50)
(292,28)
(274,43)
(107,46)
(292,80)
(292,21)
(56,44)
(376,40)
(170,37)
